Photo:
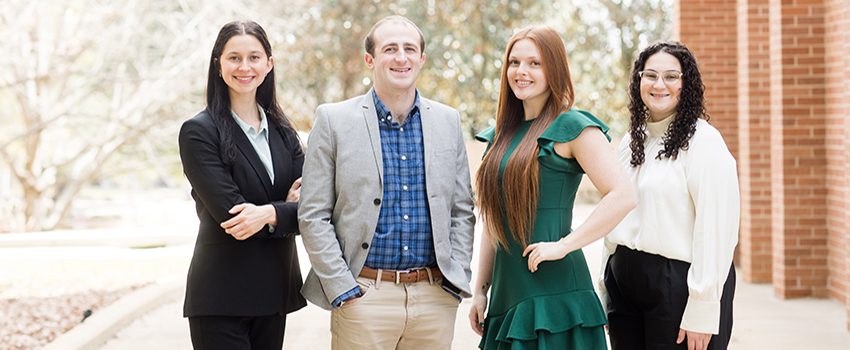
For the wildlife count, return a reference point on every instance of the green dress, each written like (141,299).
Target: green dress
(555,307)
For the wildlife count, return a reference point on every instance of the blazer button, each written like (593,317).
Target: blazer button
(377,201)
(365,245)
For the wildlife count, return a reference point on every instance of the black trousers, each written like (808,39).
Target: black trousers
(647,294)
(237,333)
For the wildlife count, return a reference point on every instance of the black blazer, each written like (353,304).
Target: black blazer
(259,276)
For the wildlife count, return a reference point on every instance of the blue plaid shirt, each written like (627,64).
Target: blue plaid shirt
(403,238)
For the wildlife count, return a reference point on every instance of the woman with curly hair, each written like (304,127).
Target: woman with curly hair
(542,294)
(668,277)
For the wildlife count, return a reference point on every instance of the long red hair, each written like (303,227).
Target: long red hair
(520,179)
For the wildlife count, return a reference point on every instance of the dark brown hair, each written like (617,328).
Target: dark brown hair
(369,42)
(218,95)
(690,108)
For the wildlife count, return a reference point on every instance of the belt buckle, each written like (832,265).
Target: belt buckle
(398,275)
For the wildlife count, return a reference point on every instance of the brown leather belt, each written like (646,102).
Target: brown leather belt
(410,276)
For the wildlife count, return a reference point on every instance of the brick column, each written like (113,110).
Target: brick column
(843,7)
(708,28)
(798,148)
(838,148)
(754,246)
(837,176)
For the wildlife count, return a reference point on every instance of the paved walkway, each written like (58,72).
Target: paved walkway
(761,320)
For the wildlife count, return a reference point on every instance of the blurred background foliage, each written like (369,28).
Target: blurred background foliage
(94,91)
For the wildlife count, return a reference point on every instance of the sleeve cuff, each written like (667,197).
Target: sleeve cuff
(345,296)
(701,316)
(459,299)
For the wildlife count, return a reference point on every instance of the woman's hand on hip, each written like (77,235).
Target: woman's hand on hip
(249,220)
(543,251)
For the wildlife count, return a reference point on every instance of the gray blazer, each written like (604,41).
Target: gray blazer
(342,188)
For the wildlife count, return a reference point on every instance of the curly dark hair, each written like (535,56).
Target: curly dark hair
(690,108)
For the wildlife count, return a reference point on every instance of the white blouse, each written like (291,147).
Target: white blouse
(688,209)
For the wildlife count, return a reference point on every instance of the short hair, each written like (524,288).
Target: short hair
(369,42)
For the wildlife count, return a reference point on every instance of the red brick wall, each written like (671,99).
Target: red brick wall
(754,246)
(791,119)
(707,27)
(798,148)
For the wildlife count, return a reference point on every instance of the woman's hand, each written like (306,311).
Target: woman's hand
(249,220)
(696,341)
(294,192)
(543,251)
(476,313)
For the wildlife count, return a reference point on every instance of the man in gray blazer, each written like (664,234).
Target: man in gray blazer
(386,206)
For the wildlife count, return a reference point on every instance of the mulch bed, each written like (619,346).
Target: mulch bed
(45,292)
(33,322)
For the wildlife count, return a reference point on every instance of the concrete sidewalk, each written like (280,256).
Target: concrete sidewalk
(761,320)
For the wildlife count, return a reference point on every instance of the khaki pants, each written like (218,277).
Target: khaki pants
(401,316)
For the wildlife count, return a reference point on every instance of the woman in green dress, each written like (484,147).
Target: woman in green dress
(542,295)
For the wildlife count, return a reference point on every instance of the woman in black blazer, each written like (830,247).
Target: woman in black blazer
(244,275)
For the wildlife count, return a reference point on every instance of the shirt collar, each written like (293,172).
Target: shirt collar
(659,128)
(383,112)
(248,129)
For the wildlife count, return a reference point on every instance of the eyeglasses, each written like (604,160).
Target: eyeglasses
(670,77)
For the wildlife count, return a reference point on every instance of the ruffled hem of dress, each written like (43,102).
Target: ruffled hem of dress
(562,321)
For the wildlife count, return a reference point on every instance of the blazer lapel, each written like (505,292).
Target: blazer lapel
(276,144)
(250,154)
(370,117)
